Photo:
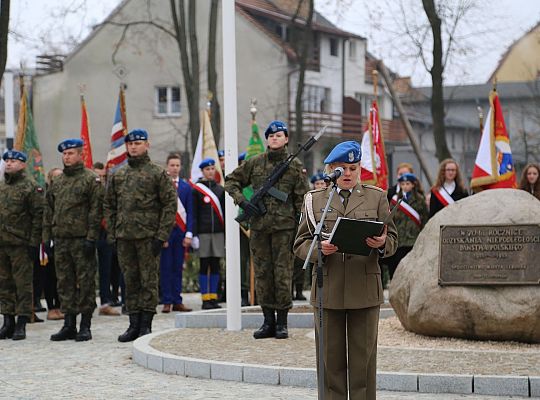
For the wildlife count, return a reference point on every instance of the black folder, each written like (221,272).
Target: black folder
(350,235)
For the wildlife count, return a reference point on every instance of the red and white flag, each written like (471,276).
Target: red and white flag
(493,167)
(85,135)
(206,148)
(407,210)
(117,156)
(374,169)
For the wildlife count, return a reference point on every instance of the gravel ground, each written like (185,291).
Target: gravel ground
(398,351)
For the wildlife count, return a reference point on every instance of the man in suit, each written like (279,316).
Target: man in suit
(352,288)
(172,255)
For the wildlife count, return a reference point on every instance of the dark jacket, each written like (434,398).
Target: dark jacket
(206,218)
(435,205)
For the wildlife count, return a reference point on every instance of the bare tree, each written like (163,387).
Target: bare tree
(303,47)
(215,119)
(4,24)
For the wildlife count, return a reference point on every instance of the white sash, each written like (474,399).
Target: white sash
(408,210)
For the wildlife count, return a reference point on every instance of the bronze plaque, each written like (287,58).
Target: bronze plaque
(489,255)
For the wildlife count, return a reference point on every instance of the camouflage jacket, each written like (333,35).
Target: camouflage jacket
(254,172)
(73,208)
(407,229)
(21,210)
(140,202)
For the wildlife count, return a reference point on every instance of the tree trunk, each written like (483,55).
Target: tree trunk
(436,71)
(4,23)
(190,70)
(303,49)
(212,74)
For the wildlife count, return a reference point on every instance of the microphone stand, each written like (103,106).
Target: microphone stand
(317,238)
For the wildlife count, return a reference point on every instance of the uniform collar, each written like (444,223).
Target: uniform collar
(14,177)
(137,162)
(277,155)
(73,169)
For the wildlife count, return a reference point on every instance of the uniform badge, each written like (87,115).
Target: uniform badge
(351,156)
(206,199)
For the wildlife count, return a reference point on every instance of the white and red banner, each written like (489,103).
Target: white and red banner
(374,169)
(493,167)
(443,196)
(206,148)
(117,156)
(408,210)
(181,214)
(211,198)
(85,135)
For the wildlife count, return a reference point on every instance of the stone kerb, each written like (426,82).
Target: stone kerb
(148,357)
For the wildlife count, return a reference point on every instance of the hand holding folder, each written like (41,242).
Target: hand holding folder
(350,235)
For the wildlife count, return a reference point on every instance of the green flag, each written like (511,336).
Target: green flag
(27,141)
(255,146)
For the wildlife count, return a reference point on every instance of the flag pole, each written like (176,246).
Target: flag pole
(375,76)
(232,233)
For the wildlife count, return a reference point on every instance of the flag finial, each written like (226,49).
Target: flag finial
(253,108)
(495,83)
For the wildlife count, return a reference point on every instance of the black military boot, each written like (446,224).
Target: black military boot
(146,323)
(281,324)
(268,328)
(20,328)
(84,333)
(6,331)
(299,294)
(245,299)
(132,331)
(68,331)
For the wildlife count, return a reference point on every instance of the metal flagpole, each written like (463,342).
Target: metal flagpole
(8,109)
(230,129)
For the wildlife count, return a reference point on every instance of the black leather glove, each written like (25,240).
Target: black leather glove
(250,209)
(33,252)
(89,248)
(157,245)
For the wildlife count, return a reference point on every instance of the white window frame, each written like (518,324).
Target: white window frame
(169,112)
(352,49)
(330,41)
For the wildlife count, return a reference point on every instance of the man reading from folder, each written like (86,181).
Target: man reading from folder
(352,288)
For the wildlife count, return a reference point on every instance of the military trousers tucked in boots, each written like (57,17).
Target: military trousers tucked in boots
(141,274)
(273,263)
(76,276)
(350,353)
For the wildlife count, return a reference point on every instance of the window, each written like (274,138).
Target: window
(168,101)
(333,47)
(352,49)
(316,98)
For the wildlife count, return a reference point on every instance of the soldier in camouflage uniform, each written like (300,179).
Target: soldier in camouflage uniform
(21,208)
(71,220)
(272,234)
(140,208)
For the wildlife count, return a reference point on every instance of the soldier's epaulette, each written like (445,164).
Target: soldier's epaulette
(372,187)
(317,190)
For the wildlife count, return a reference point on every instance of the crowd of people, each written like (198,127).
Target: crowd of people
(134,228)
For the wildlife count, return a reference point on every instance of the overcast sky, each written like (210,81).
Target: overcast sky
(489,30)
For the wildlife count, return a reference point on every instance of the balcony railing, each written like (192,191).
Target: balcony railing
(349,126)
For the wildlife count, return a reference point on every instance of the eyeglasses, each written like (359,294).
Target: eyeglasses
(450,169)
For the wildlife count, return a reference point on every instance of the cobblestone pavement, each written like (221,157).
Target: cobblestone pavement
(37,368)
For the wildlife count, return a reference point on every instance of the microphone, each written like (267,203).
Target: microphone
(334,175)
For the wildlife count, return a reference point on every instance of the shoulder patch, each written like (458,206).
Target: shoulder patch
(365,185)
(39,189)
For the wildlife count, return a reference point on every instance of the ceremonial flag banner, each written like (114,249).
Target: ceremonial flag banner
(85,135)
(255,146)
(374,169)
(493,167)
(2,169)
(117,156)
(206,148)
(27,142)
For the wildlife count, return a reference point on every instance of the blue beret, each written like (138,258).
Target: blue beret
(70,144)
(347,152)
(242,156)
(14,155)
(276,126)
(207,162)
(135,135)
(319,176)
(407,177)
(221,153)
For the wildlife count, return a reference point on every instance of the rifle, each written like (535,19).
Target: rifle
(277,173)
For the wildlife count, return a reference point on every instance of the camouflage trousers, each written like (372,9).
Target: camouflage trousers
(273,262)
(75,276)
(141,274)
(15,281)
